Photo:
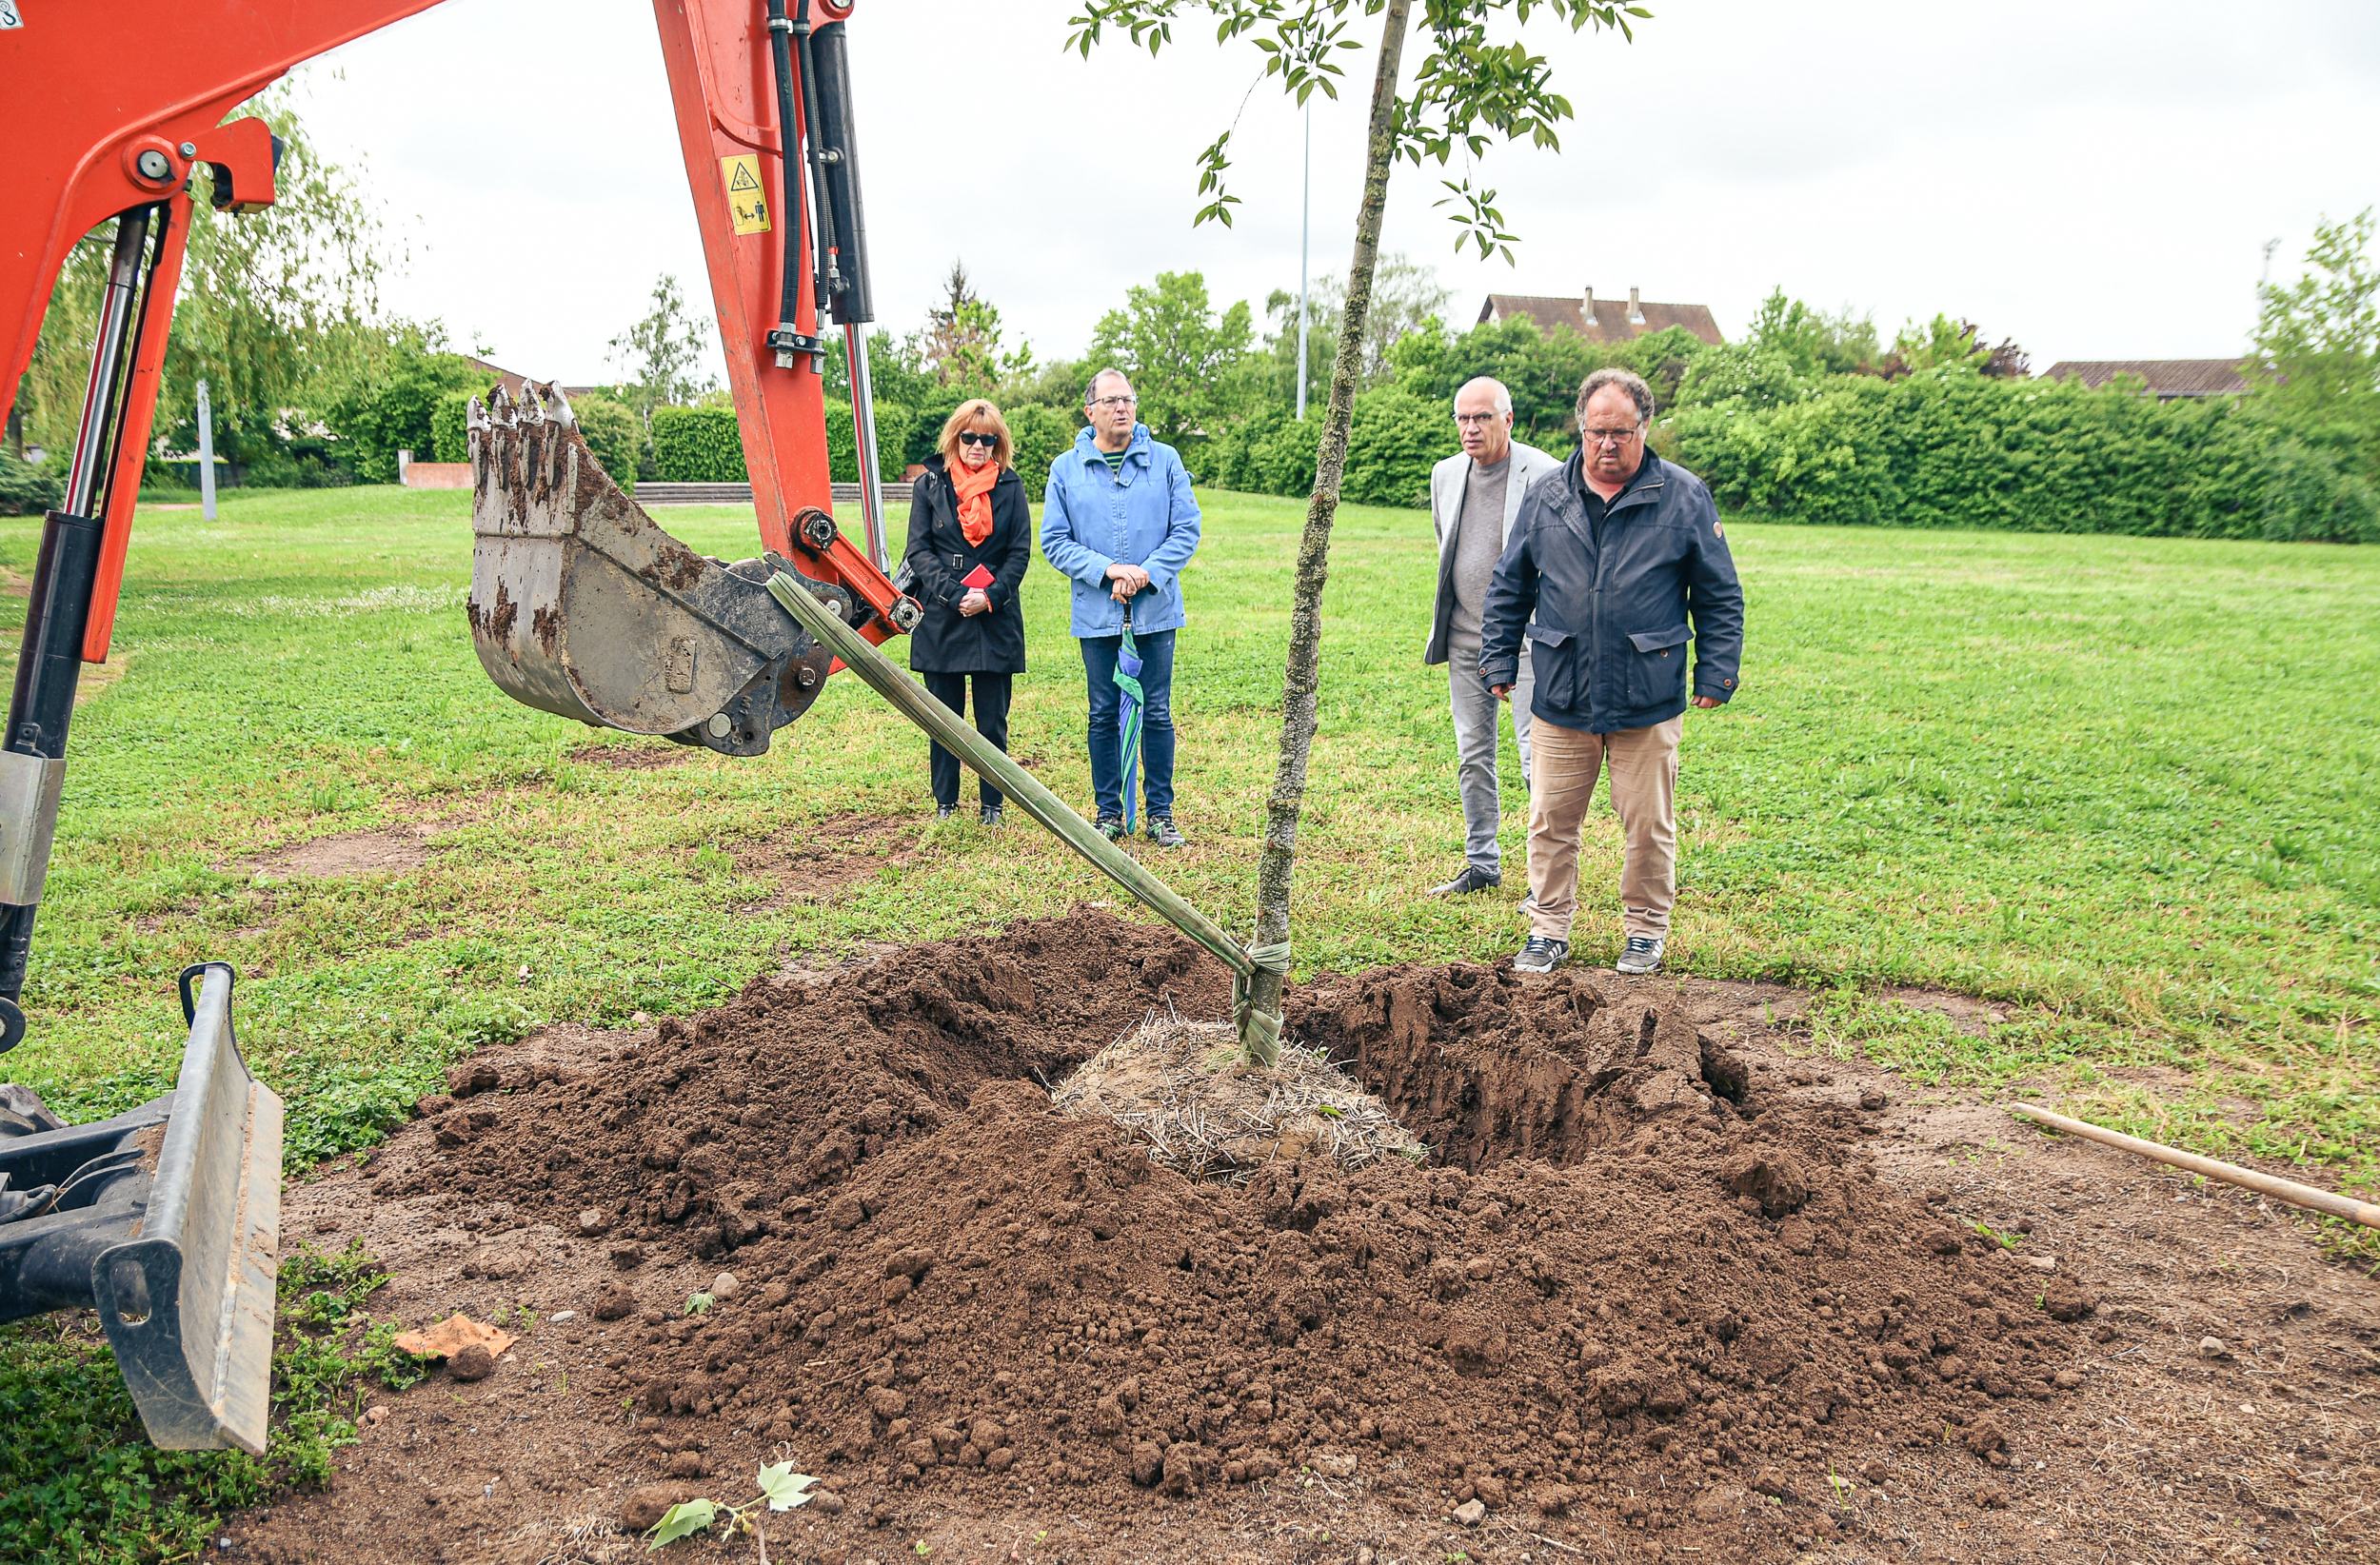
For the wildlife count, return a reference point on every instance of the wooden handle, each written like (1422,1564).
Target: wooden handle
(2246,1179)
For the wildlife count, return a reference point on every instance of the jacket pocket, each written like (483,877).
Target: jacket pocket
(1553,660)
(1657,672)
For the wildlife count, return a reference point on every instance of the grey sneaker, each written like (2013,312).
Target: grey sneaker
(1111,828)
(991,815)
(943,812)
(1165,834)
(1541,955)
(1642,956)
(1471,879)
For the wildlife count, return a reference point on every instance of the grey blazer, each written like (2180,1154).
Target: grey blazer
(1446,490)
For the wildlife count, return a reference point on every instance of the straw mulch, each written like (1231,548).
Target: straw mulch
(1179,1089)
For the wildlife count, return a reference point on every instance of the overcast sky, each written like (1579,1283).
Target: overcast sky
(2096,180)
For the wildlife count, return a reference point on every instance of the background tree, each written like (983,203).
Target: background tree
(960,345)
(1811,341)
(2316,358)
(1407,297)
(1468,91)
(665,358)
(278,311)
(1181,354)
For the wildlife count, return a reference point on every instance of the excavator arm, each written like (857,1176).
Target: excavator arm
(165,1220)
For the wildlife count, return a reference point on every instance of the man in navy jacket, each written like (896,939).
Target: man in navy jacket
(1120,522)
(1612,556)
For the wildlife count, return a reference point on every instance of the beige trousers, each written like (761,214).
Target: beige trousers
(1563,765)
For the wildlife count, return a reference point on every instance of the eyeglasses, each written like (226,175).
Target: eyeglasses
(969,437)
(1476,417)
(1112,402)
(1608,437)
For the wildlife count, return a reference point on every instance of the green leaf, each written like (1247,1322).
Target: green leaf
(782,1487)
(697,1303)
(683,1521)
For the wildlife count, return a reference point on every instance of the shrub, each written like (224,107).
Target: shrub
(1040,436)
(28,490)
(395,407)
(698,445)
(893,422)
(1735,372)
(449,428)
(1949,447)
(1396,440)
(614,435)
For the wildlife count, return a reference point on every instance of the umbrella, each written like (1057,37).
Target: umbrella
(1128,714)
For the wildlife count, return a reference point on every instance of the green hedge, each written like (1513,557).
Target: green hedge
(449,427)
(1949,449)
(28,490)
(1039,436)
(698,445)
(614,435)
(893,424)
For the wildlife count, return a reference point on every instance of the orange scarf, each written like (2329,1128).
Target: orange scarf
(974,485)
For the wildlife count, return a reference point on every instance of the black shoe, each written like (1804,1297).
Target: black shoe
(1111,828)
(1471,879)
(1541,955)
(991,815)
(943,812)
(1165,834)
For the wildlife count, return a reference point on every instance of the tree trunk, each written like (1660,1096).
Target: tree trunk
(1301,679)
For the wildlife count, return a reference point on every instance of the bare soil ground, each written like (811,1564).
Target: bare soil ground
(1672,1290)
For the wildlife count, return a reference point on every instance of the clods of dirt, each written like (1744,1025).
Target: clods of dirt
(1651,1295)
(655,756)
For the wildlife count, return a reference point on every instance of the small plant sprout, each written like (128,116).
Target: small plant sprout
(697,1303)
(780,1489)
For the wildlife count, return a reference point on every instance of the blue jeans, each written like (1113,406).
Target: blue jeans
(1156,722)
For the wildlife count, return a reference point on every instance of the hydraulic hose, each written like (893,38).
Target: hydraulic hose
(789,204)
(829,273)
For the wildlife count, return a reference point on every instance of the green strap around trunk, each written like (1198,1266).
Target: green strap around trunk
(912,701)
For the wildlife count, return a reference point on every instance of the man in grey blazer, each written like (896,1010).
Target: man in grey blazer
(1474,498)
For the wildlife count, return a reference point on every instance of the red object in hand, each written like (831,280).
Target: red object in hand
(978,579)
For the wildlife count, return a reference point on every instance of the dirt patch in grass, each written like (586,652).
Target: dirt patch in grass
(1669,1292)
(820,861)
(650,757)
(389,852)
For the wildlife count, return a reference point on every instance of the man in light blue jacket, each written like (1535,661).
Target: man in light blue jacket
(1120,522)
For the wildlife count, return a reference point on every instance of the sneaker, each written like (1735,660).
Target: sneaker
(943,812)
(1111,828)
(1642,956)
(1165,834)
(1471,879)
(991,815)
(1541,955)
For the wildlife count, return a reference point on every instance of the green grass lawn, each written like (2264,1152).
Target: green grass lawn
(2125,785)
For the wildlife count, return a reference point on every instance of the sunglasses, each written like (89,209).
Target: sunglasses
(968,437)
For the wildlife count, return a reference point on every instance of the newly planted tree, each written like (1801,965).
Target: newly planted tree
(1467,92)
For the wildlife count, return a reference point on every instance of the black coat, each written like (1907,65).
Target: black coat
(945,641)
(1608,638)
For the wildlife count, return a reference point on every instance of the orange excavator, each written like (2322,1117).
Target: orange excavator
(165,1220)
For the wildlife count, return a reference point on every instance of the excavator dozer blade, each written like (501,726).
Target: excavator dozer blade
(582,606)
(166,1221)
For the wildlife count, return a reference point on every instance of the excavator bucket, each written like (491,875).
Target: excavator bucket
(165,1221)
(582,606)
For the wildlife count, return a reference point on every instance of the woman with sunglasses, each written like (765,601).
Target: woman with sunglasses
(971,539)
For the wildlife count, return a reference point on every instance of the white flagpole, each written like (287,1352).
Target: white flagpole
(205,453)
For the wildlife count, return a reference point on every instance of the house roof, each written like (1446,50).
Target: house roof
(2166,377)
(1613,320)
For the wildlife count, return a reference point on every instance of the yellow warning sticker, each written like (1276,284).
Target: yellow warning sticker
(747,203)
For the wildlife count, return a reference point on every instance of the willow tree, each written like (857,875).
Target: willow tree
(277,310)
(1468,92)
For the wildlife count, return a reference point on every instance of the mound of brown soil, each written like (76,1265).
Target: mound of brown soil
(1627,1283)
